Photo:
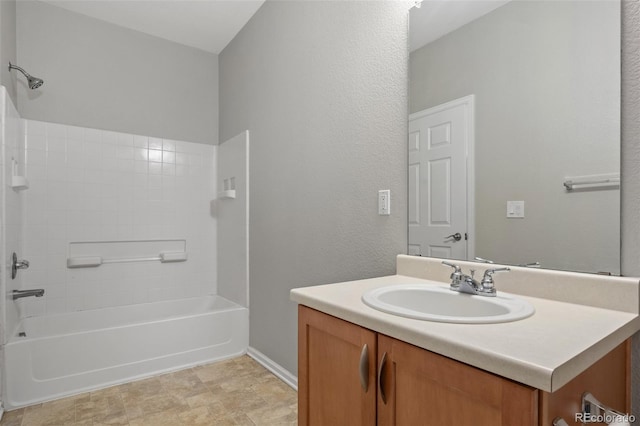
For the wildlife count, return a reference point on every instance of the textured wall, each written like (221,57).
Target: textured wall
(102,76)
(322,87)
(8,46)
(631,163)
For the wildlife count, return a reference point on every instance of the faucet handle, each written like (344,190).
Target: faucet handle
(487,279)
(22,264)
(456,275)
(453,265)
(494,270)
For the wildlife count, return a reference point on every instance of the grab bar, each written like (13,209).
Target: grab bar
(94,261)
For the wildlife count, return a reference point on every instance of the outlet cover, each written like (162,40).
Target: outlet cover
(384,202)
(515,209)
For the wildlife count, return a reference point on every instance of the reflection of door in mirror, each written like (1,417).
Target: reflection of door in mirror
(545,76)
(441,180)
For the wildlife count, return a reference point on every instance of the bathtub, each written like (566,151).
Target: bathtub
(76,352)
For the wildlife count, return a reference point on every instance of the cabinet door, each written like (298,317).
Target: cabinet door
(418,387)
(336,375)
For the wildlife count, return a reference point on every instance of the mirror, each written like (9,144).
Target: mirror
(514,132)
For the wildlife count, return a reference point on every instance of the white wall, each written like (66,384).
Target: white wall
(102,76)
(322,87)
(92,185)
(547,106)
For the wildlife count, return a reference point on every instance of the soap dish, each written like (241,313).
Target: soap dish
(19,183)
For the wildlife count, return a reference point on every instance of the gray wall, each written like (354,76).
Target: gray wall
(631,165)
(231,220)
(322,88)
(103,76)
(547,92)
(8,46)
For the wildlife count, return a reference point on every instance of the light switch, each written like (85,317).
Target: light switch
(515,209)
(384,202)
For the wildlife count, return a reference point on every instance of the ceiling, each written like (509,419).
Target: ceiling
(211,24)
(204,24)
(436,18)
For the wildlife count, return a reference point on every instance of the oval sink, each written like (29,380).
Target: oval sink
(435,303)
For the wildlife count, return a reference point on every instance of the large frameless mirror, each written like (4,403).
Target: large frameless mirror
(514,133)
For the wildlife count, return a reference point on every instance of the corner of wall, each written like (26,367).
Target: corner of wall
(630,187)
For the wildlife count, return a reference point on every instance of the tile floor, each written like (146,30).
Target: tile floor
(233,392)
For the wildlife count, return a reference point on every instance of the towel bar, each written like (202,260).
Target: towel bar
(94,261)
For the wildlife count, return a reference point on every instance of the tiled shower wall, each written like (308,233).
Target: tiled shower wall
(93,185)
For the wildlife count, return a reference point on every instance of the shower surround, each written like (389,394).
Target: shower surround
(118,196)
(92,185)
(11,215)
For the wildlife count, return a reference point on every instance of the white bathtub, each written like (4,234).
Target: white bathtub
(72,353)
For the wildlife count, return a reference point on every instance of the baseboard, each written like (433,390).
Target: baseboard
(282,373)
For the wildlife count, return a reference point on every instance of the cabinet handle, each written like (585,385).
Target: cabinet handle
(383,361)
(364,368)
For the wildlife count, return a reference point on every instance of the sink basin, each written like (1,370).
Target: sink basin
(436,303)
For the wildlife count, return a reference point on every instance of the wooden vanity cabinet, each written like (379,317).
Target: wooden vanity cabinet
(407,385)
(423,388)
(330,389)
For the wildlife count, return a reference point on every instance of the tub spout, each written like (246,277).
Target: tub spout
(17,294)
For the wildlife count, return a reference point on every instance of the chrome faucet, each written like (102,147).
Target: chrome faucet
(18,294)
(464,283)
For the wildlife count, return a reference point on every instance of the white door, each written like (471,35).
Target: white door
(440,180)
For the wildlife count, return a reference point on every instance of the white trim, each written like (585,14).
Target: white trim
(280,372)
(469,103)
(247,191)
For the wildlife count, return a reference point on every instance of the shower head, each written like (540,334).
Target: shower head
(34,82)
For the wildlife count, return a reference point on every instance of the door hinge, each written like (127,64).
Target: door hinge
(466,236)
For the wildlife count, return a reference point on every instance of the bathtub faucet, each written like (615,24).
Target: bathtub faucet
(37,292)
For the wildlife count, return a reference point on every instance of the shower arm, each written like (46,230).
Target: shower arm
(15,67)
(34,82)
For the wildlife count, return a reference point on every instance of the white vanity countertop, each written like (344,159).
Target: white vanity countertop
(544,351)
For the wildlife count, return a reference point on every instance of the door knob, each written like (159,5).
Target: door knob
(457,236)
